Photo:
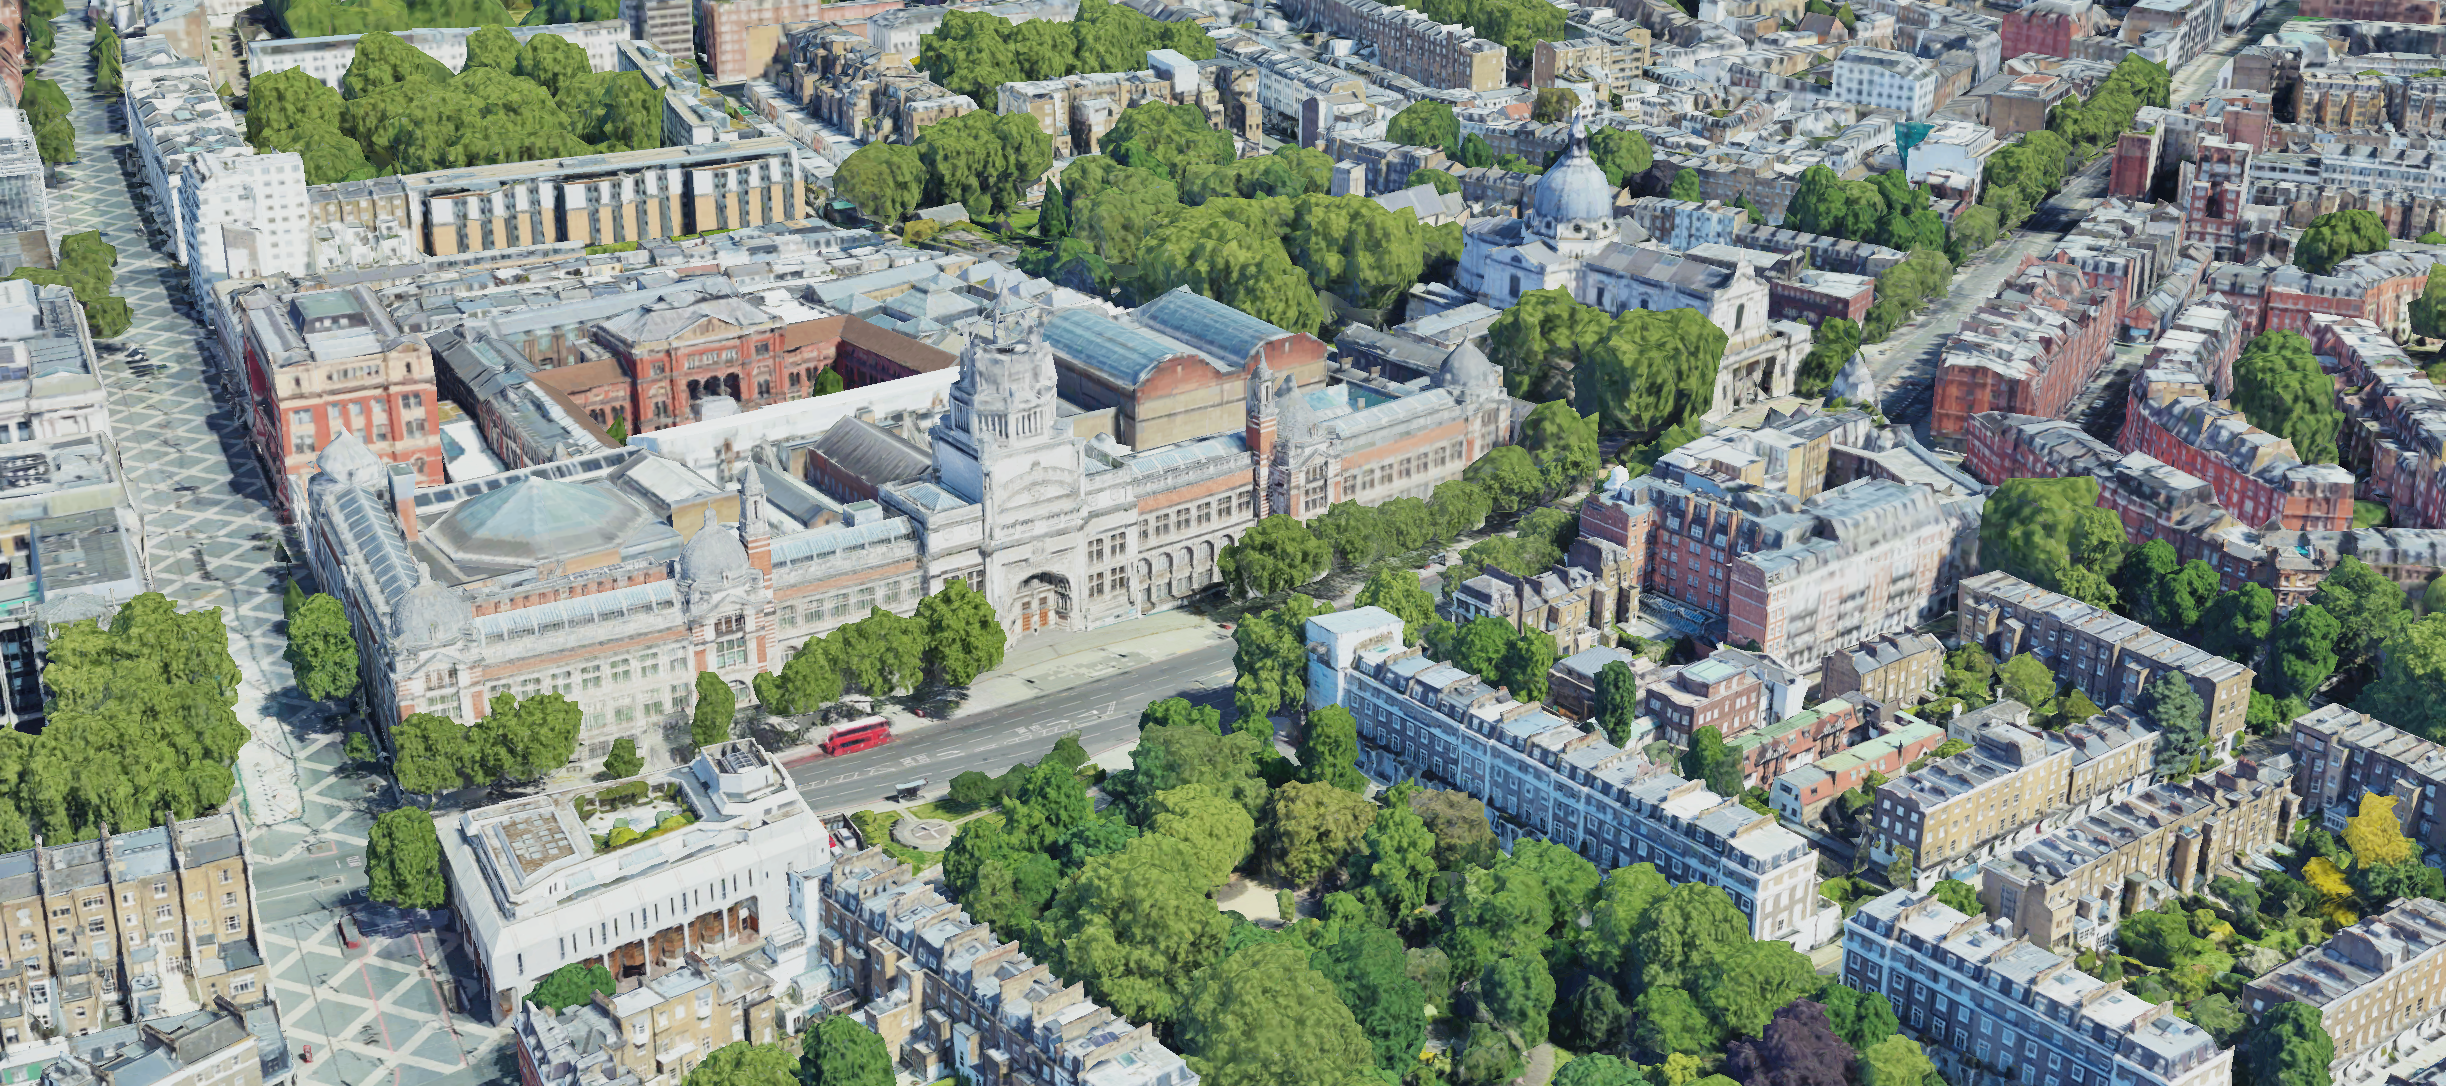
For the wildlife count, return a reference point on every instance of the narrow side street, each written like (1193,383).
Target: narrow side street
(374,1014)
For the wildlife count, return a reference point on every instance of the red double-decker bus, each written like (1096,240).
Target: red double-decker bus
(857,735)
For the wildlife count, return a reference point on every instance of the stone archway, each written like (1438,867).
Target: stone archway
(1042,602)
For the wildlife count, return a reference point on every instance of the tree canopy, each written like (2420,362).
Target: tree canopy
(2339,236)
(318,18)
(2279,387)
(975,53)
(403,860)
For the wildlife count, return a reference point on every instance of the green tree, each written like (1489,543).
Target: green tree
(1691,929)
(1751,982)
(1270,657)
(2027,681)
(886,180)
(1600,1069)
(1711,760)
(2180,716)
(382,60)
(2237,624)
(2289,1047)
(1862,1019)
(1959,896)
(1313,829)
(104,55)
(522,739)
(1563,443)
(1671,1022)
(843,1052)
(809,680)
(1170,711)
(359,748)
(1208,821)
(715,705)
(1519,992)
(552,62)
(1554,104)
(984,161)
(492,47)
(1526,659)
(1136,927)
(741,1063)
(2411,670)
(880,653)
(623,761)
(1540,339)
(1396,860)
(1329,750)
(1895,1061)
(2031,527)
(2336,237)
(1168,139)
(1443,183)
(571,985)
(1686,185)
(1424,123)
(1458,507)
(1263,1017)
(2279,387)
(1275,555)
(1369,970)
(1617,701)
(2429,309)
(1397,590)
(1049,802)
(403,860)
(2367,607)
(429,754)
(1508,476)
(323,649)
(55,141)
(1622,153)
(556,12)
(1824,203)
(2303,654)
(1836,341)
(1655,369)
(964,639)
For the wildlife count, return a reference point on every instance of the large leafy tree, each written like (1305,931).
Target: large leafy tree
(1270,654)
(1836,341)
(323,649)
(1274,555)
(1690,930)
(1712,760)
(809,681)
(1539,341)
(843,1052)
(1654,369)
(1167,138)
(429,753)
(2289,1047)
(1617,701)
(964,639)
(1369,968)
(882,652)
(986,161)
(572,984)
(492,47)
(1171,756)
(1424,123)
(1622,153)
(1329,750)
(2303,654)
(1519,992)
(2367,607)
(1895,1061)
(741,1063)
(382,60)
(2338,236)
(1563,443)
(2238,622)
(2180,716)
(886,180)
(1312,829)
(1264,1017)
(1395,861)
(2279,387)
(1861,1018)
(1136,927)
(1208,820)
(716,704)
(1397,590)
(1752,981)
(2411,671)
(403,860)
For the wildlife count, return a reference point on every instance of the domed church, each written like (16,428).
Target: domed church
(1570,240)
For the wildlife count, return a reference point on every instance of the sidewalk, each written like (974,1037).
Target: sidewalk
(1048,663)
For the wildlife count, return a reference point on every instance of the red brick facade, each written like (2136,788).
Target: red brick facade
(2253,474)
(2028,351)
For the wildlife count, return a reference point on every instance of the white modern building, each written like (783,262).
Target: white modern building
(1955,146)
(328,58)
(1986,1003)
(536,891)
(174,116)
(243,215)
(1886,79)
(1541,776)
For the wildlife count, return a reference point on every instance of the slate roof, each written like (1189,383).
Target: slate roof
(870,453)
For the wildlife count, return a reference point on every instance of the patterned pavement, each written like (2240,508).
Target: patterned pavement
(374,1014)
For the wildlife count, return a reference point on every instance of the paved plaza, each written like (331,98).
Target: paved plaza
(374,1014)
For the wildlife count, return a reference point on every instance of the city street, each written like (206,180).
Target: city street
(209,541)
(1104,713)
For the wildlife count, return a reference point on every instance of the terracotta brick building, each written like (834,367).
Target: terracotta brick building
(2028,350)
(2253,473)
(324,362)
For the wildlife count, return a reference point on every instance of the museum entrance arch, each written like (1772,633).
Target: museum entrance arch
(1043,602)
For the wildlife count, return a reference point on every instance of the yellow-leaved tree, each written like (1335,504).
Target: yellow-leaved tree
(2375,836)
(2335,894)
